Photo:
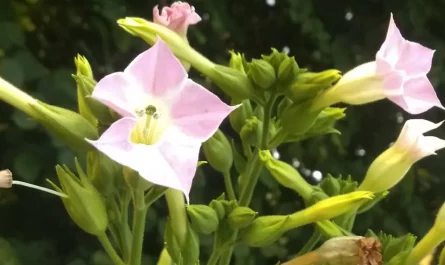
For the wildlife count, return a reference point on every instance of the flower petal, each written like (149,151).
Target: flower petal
(429,145)
(419,95)
(415,59)
(198,112)
(157,70)
(118,92)
(411,137)
(115,143)
(179,158)
(390,51)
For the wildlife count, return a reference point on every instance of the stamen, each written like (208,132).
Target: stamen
(6,181)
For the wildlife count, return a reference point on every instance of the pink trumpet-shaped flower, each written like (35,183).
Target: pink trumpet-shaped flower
(411,146)
(166,118)
(177,17)
(398,73)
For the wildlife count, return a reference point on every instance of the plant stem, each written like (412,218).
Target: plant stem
(229,186)
(139,215)
(176,208)
(253,172)
(109,249)
(214,257)
(17,98)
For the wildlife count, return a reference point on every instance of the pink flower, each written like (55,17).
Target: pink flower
(177,17)
(398,73)
(411,146)
(166,117)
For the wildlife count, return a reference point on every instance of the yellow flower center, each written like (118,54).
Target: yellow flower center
(150,126)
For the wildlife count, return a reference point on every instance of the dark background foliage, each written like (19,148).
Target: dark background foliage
(38,42)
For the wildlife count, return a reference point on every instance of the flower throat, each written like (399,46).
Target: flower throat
(149,126)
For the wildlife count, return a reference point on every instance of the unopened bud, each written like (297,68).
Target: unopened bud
(275,58)
(308,85)
(288,70)
(262,74)
(218,152)
(265,230)
(84,204)
(233,82)
(219,208)
(241,217)
(298,118)
(251,131)
(203,218)
(5,179)
(285,174)
(237,61)
(239,116)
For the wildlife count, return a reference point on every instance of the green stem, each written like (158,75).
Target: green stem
(229,186)
(176,208)
(253,172)
(139,216)
(266,122)
(109,249)
(213,259)
(17,98)
(310,244)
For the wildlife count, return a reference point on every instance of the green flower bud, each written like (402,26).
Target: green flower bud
(68,126)
(84,203)
(298,118)
(219,208)
(203,218)
(233,82)
(239,161)
(90,106)
(308,85)
(286,175)
(251,131)
(288,70)
(239,116)
(218,152)
(330,186)
(83,66)
(265,230)
(241,217)
(275,58)
(190,250)
(324,124)
(237,61)
(262,74)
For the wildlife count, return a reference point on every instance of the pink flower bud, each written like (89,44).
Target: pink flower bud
(177,17)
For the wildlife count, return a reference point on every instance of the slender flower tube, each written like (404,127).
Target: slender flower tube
(411,146)
(177,17)
(165,118)
(398,73)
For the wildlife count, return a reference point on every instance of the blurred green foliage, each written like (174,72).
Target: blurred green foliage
(40,38)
